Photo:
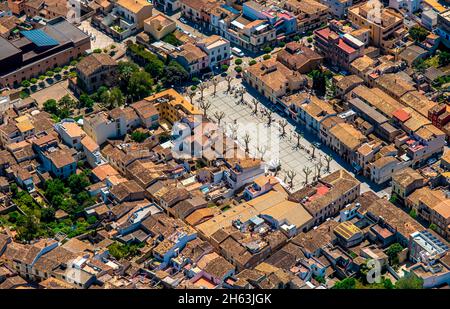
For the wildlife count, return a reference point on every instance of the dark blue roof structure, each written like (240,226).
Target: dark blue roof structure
(39,38)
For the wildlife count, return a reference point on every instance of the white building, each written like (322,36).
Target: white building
(102,126)
(429,18)
(217,48)
(381,170)
(70,133)
(338,7)
(411,6)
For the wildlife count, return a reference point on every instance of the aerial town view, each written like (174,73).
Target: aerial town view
(224,144)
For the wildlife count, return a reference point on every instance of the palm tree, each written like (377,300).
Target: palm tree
(204,105)
(219,116)
(246,140)
(291,175)
(229,78)
(215,82)
(307,171)
(328,159)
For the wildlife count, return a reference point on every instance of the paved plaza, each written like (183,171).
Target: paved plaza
(55,91)
(98,38)
(239,120)
(240,117)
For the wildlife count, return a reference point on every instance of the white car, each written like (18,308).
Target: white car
(237,52)
(184,21)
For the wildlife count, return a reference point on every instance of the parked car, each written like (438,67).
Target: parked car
(237,52)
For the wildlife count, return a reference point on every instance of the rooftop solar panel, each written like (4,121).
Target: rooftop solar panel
(40,38)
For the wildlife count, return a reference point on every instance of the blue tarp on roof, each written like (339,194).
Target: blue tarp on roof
(39,37)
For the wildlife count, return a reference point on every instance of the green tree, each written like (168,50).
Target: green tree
(51,106)
(55,189)
(14,216)
(84,199)
(63,113)
(418,33)
(29,228)
(267,49)
(410,281)
(86,101)
(78,182)
(320,279)
(347,283)
(393,199)
(392,253)
(172,39)
(387,283)
(139,85)
(14,189)
(319,81)
(48,214)
(175,74)
(413,213)
(66,102)
(25,84)
(70,205)
(91,219)
(155,68)
(444,58)
(117,251)
(252,62)
(112,98)
(238,61)
(126,69)
(139,136)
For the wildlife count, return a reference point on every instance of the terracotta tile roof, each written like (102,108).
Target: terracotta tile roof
(104,171)
(91,63)
(349,136)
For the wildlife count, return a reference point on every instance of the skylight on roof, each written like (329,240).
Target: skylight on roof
(39,38)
